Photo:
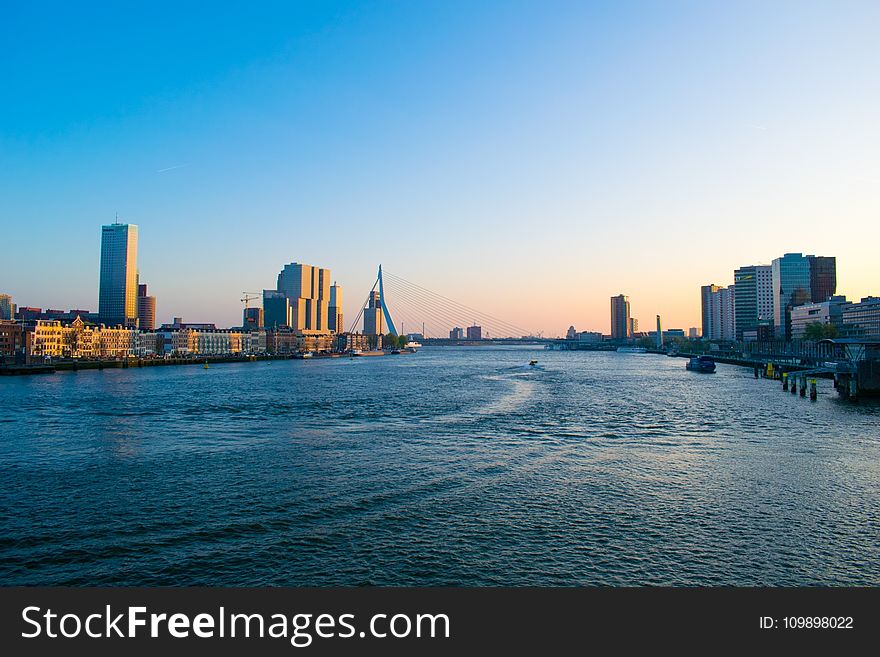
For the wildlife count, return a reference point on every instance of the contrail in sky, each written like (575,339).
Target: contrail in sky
(176,166)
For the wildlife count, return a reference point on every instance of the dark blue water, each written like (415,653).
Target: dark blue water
(450,466)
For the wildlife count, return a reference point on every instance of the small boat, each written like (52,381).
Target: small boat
(395,352)
(703,364)
(413,345)
(631,350)
(533,363)
(206,364)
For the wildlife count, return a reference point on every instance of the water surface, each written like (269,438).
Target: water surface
(453,466)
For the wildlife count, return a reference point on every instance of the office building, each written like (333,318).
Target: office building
(335,321)
(474,332)
(659,333)
(7,308)
(718,312)
(753,297)
(862,319)
(633,327)
(620,319)
(374,319)
(252,319)
(828,312)
(11,339)
(823,277)
(276,309)
(146,309)
(693,333)
(307,289)
(791,287)
(117,295)
(457,333)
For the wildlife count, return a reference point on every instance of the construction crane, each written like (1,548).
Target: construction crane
(248,298)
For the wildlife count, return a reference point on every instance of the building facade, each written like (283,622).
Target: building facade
(11,340)
(791,287)
(862,319)
(753,297)
(336,322)
(823,277)
(117,295)
(718,312)
(146,307)
(374,318)
(252,319)
(620,324)
(307,289)
(457,333)
(824,312)
(276,310)
(474,332)
(7,308)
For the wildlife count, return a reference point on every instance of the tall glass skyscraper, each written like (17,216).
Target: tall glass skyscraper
(117,296)
(791,287)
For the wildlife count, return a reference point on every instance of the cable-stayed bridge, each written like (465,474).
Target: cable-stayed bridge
(405,307)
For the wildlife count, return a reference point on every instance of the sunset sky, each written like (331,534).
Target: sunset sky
(529,159)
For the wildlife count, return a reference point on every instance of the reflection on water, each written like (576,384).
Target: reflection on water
(451,466)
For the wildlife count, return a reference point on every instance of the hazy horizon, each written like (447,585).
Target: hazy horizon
(527,162)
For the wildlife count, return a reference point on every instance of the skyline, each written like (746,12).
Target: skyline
(566,158)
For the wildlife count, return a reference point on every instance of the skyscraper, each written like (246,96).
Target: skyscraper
(335,321)
(117,296)
(374,320)
(791,287)
(7,308)
(146,309)
(753,297)
(276,309)
(659,333)
(718,311)
(307,289)
(823,277)
(620,324)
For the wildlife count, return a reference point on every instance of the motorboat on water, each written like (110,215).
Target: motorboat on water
(631,350)
(413,345)
(533,363)
(704,364)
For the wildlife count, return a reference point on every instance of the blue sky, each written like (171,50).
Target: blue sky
(530,159)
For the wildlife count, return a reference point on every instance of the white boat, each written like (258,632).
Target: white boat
(413,345)
(631,350)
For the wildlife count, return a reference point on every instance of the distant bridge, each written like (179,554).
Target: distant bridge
(405,307)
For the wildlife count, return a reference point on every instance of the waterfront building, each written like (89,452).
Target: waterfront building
(718,312)
(591,337)
(335,321)
(620,318)
(353,342)
(252,319)
(7,308)
(374,319)
(862,319)
(117,295)
(457,333)
(149,343)
(693,333)
(276,309)
(307,289)
(823,277)
(659,333)
(146,308)
(28,314)
(474,332)
(791,287)
(633,327)
(824,312)
(753,297)
(571,334)
(11,340)
(45,339)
